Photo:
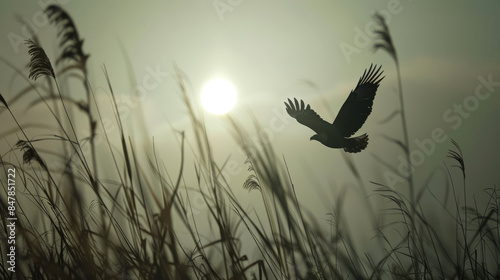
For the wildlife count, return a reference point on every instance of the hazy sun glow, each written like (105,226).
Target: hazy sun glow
(218,96)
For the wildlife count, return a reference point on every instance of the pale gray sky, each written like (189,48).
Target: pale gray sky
(267,49)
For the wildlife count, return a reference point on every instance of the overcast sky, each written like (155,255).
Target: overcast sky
(273,50)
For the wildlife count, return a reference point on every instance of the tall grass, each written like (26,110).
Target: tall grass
(75,223)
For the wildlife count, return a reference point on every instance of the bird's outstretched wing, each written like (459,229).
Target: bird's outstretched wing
(307,116)
(358,105)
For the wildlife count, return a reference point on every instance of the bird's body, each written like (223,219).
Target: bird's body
(350,118)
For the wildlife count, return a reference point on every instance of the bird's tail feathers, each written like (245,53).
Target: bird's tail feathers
(356,144)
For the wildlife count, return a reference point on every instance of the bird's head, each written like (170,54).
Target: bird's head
(320,137)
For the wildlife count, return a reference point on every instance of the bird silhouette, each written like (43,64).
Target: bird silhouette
(350,118)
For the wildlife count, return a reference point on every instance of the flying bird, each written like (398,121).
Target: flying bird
(351,117)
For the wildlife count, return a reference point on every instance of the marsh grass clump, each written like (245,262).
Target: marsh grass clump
(76,223)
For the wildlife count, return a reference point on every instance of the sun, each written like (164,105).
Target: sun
(218,96)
